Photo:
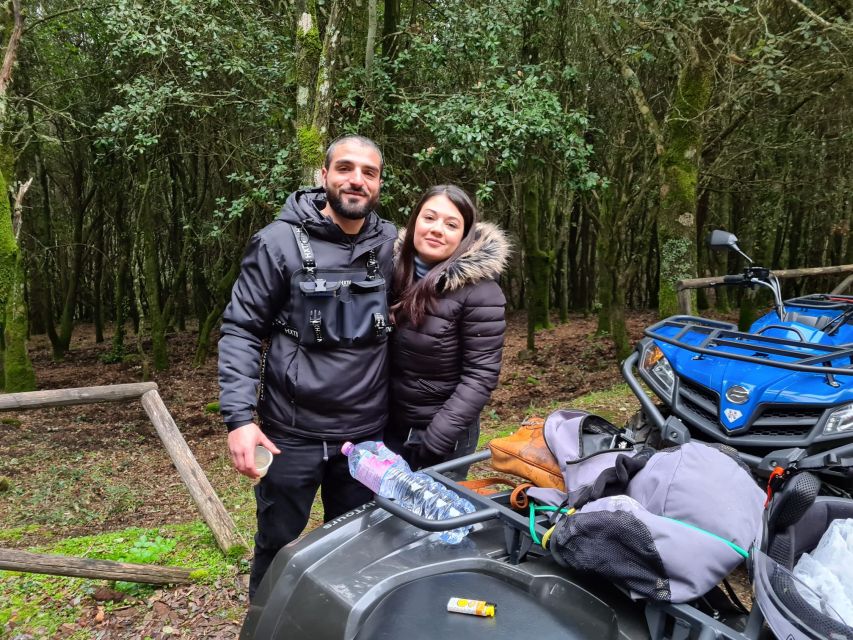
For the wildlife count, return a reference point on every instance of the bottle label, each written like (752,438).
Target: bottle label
(371,470)
(471,607)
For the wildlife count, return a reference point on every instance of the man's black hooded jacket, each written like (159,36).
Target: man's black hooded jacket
(326,393)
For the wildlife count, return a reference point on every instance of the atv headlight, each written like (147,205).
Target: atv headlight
(657,366)
(840,420)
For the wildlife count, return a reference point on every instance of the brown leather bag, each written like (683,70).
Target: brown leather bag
(525,454)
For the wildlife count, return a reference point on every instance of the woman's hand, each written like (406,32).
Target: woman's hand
(421,457)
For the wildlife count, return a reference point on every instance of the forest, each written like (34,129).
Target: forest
(143,143)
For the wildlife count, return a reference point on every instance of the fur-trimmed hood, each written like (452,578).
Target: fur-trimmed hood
(484,260)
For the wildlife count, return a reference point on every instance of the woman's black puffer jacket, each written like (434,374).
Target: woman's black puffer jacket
(443,372)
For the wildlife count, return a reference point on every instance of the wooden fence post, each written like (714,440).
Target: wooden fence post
(211,508)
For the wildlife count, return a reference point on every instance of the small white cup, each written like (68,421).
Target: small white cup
(263,460)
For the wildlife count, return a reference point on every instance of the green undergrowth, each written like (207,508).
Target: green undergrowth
(616,404)
(40,604)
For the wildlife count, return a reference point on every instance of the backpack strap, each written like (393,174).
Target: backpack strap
(372,265)
(305,251)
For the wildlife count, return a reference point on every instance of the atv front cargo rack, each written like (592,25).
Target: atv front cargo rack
(718,339)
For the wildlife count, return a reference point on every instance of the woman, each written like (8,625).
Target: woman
(449,314)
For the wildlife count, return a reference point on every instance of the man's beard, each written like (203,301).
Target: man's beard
(347,210)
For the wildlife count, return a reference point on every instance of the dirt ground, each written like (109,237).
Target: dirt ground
(118,474)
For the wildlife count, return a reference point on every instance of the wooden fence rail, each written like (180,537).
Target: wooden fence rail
(208,503)
(15,560)
(683,287)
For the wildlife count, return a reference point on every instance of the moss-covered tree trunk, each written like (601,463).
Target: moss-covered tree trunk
(611,279)
(121,291)
(308,52)
(98,284)
(679,175)
(151,272)
(537,260)
(80,201)
(18,371)
(208,321)
(315,70)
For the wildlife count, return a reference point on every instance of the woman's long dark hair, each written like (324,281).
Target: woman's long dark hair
(414,298)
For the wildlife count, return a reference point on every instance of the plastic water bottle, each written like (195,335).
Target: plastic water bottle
(388,475)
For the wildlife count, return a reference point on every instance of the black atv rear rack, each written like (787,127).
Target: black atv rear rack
(760,347)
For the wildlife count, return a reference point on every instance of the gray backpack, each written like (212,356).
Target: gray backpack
(685,520)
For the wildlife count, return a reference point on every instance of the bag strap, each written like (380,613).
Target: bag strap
(310,264)
(305,251)
(518,499)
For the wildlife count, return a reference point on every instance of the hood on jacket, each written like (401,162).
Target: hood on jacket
(303,208)
(485,259)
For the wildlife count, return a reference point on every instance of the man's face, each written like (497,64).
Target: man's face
(352,181)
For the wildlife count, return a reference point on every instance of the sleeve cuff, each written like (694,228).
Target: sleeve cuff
(236,424)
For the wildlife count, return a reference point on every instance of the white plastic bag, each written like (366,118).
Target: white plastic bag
(828,570)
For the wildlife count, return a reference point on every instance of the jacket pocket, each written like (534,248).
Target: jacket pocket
(320,321)
(434,390)
(364,316)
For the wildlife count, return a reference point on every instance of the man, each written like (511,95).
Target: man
(303,344)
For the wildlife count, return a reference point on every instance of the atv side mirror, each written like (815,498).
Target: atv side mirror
(720,240)
(723,240)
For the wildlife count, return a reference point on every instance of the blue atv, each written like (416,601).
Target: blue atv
(781,393)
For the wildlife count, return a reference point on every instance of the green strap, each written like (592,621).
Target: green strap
(533,509)
(740,550)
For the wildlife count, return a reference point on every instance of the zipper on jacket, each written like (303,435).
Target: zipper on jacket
(263,371)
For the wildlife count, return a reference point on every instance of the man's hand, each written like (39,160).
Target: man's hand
(241,445)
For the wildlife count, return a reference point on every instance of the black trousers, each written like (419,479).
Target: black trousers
(285,495)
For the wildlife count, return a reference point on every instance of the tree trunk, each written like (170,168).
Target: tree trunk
(703,268)
(390,27)
(97,284)
(223,292)
(151,270)
(17,370)
(80,203)
(679,175)
(370,44)
(137,295)
(124,251)
(315,71)
(538,261)
(611,279)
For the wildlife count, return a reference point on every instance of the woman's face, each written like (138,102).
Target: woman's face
(438,230)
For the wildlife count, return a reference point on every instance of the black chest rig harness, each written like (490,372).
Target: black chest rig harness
(334,307)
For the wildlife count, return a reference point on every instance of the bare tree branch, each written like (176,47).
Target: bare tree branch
(635,90)
(11,47)
(811,14)
(17,212)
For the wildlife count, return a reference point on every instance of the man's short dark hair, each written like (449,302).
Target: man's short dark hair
(351,137)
